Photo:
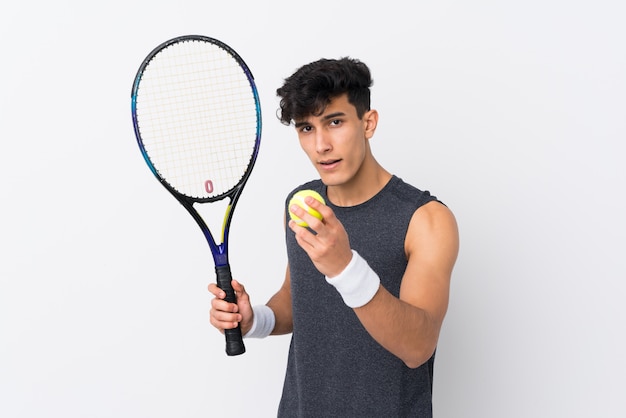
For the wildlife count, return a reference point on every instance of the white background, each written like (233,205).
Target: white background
(512,113)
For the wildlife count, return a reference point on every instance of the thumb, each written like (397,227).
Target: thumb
(240,290)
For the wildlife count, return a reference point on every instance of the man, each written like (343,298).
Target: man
(366,288)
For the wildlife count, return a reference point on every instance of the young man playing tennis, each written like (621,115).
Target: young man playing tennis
(366,288)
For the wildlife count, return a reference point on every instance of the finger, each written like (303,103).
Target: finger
(322,208)
(240,292)
(222,306)
(224,315)
(224,320)
(216,291)
(305,238)
(238,287)
(311,221)
(312,202)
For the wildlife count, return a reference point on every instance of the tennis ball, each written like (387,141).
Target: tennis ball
(298,199)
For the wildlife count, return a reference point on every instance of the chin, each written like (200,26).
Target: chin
(331,180)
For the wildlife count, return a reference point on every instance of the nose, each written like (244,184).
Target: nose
(322,143)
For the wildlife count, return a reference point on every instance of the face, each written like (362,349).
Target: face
(337,141)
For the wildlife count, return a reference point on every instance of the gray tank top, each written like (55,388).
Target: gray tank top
(335,368)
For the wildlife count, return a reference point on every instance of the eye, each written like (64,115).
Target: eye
(335,122)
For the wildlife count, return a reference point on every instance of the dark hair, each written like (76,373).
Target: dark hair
(311,88)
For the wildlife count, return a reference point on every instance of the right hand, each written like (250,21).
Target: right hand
(225,315)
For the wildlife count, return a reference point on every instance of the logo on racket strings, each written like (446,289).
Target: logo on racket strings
(208,186)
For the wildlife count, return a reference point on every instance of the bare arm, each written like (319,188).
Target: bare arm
(280,303)
(407,326)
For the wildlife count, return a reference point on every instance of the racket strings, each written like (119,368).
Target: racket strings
(197,116)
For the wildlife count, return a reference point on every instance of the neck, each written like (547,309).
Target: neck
(368,181)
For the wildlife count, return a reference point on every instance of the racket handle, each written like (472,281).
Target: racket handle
(234,341)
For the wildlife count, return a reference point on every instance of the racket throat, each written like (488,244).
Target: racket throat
(220,260)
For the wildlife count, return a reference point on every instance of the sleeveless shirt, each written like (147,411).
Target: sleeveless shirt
(335,368)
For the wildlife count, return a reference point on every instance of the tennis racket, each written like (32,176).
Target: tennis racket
(197,119)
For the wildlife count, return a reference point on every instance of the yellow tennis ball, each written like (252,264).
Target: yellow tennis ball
(298,199)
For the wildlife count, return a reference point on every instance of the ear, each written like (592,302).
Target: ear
(370,122)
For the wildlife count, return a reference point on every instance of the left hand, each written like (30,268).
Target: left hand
(329,247)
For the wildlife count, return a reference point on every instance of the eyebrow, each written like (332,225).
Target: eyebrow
(324,118)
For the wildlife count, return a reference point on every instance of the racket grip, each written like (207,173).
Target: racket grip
(234,340)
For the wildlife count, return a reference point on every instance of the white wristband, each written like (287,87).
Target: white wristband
(263,322)
(357,283)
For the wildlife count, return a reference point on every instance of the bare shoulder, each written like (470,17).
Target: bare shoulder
(433,235)
(433,217)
